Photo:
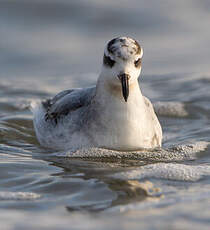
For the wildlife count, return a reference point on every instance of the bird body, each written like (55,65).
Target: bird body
(99,116)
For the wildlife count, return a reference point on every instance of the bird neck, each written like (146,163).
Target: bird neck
(107,93)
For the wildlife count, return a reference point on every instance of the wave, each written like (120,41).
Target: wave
(171,109)
(19,196)
(169,171)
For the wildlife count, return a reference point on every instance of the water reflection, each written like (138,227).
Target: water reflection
(98,174)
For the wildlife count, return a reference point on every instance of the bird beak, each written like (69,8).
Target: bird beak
(124,78)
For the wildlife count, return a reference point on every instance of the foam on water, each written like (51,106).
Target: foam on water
(167,170)
(19,196)
(170,171)
(174,153)
(171,109)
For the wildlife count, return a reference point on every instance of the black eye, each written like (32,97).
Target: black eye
(137,63)
(108,61)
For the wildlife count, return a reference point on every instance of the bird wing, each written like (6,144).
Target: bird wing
(67,101)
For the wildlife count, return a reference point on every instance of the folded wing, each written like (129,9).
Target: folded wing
(67,101)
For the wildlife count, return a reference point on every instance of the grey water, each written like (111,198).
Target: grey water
(48,46)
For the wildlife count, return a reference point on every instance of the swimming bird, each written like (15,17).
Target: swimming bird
(113,114)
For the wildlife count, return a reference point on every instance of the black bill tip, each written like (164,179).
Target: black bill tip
(124,78)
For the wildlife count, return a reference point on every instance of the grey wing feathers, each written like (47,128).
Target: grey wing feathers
(67,101)
(49,102)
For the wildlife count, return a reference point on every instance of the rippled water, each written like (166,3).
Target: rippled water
(48,46)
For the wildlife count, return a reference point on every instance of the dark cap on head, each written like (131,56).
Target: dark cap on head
(116,43)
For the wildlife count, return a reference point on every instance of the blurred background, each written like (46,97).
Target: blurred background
(42,38)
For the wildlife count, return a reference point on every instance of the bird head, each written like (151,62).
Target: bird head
(122,63)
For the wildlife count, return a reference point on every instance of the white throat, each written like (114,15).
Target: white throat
(106,92)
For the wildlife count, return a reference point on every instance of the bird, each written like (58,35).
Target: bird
(113,114)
